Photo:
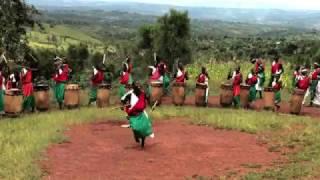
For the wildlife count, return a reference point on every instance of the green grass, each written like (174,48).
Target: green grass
(65,36)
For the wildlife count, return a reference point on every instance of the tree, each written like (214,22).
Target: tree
(172,40)
(15,17)
(169,37)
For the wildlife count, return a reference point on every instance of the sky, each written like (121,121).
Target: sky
(277,4)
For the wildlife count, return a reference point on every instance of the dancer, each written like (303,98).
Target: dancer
(135,103)
(315,76)
(2,91)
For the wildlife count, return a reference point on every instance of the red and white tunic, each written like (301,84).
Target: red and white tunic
(137,104)
(252,80)
(181,76)
(155,75)
(203,79)
(303,83)
(97,78)
(276,68)
(26,79)
(315,74)
(62,75)
(237,80)
(124,78)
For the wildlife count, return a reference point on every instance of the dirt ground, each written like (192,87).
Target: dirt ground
(179,150)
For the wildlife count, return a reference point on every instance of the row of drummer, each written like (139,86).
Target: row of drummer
(159,82)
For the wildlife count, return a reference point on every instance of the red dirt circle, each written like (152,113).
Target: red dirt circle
(179,150)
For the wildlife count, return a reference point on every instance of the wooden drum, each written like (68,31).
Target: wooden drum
(296,101)
(244,95)
(42,97)
(268,98)
(72,96)
(178,93)
(226,96)
(103,95)
(200,94)
(13,100)
(156,92)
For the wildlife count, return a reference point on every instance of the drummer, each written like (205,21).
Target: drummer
(125,79)
(236,81)
(96,80)
(252,80)
(130,65)
(13,81)
(60,77)
(160,64)
(303,81)
(181,75)
(277,86)
(156,76)
(261,79)
(27,89)
(276,69)
(2,89)
(203,79)
(315,76)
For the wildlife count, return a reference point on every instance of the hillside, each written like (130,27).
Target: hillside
(308,19)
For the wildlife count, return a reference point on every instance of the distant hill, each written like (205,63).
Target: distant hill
(308,19)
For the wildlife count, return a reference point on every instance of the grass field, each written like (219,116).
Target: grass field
(61,37)
(24,140)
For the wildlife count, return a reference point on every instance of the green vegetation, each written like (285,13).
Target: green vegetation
(24,140)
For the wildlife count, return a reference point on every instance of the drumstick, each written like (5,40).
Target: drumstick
(154,106)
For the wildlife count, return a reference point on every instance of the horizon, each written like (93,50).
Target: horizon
(239,4)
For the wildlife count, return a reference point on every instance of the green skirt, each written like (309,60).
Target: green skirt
(1,100)
(122,90)
(313,88)
(277,97)
(59,92)
(93,94)
(28,102)
(166,82)
(141,125)
(252,94)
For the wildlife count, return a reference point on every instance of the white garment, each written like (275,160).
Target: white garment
(316,100)
(258,87)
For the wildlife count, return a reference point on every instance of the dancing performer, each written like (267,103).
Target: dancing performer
(276,69)
(135,103)
(125,79)
(181,75)
(277,86)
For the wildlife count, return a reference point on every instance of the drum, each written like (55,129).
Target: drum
(103,95)
(13,100)
(200,94)
(244,95)
(226,96)
(296,101)
(42,97)
(268,98)
(156,92)
(72,96)
(178,93)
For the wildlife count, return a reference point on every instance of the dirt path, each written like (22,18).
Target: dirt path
(106,151)
(214,101)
